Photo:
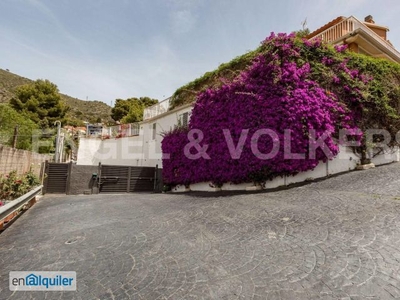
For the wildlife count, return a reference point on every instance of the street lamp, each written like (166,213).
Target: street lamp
(57,156)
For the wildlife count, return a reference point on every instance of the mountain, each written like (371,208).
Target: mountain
(80,110)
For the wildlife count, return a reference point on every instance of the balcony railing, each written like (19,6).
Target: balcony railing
(348,25)
(337,31)
(118,131)
(157,109)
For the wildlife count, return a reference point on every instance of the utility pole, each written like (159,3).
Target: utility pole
(57,154)
(15,137)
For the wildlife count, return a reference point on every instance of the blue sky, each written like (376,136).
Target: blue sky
(108,49)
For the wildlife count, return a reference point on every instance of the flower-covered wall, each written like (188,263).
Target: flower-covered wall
(265,122)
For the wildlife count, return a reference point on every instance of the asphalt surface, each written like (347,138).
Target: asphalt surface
(335,239)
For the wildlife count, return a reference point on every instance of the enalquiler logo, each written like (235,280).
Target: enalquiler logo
(42,281)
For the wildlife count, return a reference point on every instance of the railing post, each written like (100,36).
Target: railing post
(99,178)
(128,185)
(69,176)
(155,178)
(45,179)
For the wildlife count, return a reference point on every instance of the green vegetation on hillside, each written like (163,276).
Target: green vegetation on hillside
(79,110)
(226,71)
(9,118)
(385,74)
(131,109)
(8,83)
(40,101)
(373,83)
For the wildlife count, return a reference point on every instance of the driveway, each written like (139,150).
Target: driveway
(335,239)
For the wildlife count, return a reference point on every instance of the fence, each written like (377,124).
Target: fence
(123,130)
(124,179)
(72,179)
(21,160)
(157,109)
(349,25)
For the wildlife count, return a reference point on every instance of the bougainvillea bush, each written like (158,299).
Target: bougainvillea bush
(292,85)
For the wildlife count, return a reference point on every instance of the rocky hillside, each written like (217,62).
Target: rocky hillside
(79,112)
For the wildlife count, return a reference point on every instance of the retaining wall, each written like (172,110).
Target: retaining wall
(344,162)
(21,160)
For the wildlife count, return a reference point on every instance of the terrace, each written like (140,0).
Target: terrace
(157,109)
(352,31)
(118,131)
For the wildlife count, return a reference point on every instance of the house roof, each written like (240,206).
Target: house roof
(366,36)
(325,27)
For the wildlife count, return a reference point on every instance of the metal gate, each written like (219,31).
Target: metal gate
(56,178)
(122,179)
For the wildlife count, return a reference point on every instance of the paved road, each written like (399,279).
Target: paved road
(336,239)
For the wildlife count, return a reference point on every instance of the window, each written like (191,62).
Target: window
(183,119)
(154,131)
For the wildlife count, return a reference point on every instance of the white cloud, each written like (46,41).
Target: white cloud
(182,21)
(182,16)
(44,9)
(185,4)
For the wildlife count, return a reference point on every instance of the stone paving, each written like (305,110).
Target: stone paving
(335,239)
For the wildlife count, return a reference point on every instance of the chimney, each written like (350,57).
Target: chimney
(369,19)
(378,29)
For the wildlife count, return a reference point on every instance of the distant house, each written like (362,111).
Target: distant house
(75,130)
(81,130)
(362,37)
(94,130)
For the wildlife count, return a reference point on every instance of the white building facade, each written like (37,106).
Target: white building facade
(139,148)
(142,146)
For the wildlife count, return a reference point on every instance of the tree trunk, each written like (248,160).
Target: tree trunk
(364,158)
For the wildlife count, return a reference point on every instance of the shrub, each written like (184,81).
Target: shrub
(292,84)
(13,186)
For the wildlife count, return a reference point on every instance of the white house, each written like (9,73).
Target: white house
(140,144)
(133,144)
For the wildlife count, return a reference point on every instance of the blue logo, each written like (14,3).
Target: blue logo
(42,281)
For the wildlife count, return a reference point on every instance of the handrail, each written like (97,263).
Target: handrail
(10,209)
(156,109)
(349,25)
(122,130)
(336,31)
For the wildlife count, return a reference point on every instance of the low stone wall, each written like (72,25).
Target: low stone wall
(344,162)
(21,160)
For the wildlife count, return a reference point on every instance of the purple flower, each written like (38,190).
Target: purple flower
(327,61)
(276,92)
(340,48)
(335,79)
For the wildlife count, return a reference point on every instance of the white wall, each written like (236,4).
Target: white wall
(88,147)
(164,123)
(143,150)
(386,157)
(344,162)
(140,150)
